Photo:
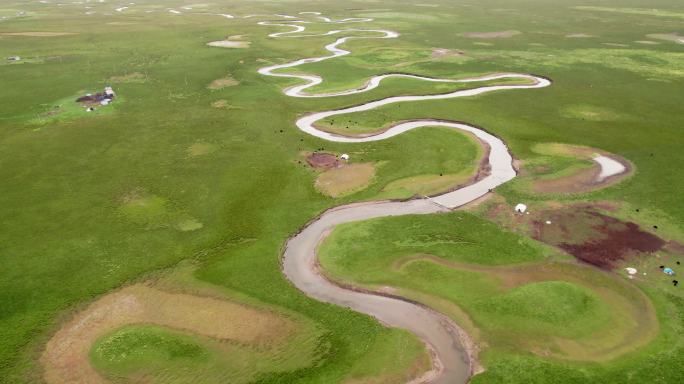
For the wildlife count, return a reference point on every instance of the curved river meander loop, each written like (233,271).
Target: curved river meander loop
(443,337)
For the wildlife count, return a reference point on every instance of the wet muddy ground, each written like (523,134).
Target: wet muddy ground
(322,160)
(593,237)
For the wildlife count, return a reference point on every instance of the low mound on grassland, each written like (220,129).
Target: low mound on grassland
(567,169)
(424,185)
(200,149)
(152,354)
(345,180)
(173,327)
(440,150)
(150,211)
(222,83)
(140,304)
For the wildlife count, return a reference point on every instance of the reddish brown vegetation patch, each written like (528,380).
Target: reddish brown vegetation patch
(321,160)
(593,237)
(94,99)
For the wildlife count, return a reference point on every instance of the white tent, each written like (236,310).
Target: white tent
(521,208)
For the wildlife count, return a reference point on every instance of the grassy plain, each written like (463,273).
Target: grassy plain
(515,296)
(90,202)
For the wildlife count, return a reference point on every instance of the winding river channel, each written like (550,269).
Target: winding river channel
(449,345)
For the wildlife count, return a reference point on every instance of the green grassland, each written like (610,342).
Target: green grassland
(515,296)
(92,201)
(163,355)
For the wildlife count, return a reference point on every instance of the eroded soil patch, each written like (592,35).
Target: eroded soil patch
(440,53)
(229,44)
(345,180)
(222,83)
(583,179)
(322,160)
(668,37)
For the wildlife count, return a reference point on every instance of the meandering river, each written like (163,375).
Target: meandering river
(448,343)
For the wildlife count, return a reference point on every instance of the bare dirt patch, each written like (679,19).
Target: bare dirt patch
(580,181)
(189,225)
(491,35)
(36,34)
(593,237)
(229,44)
(668,37)
(584,179)
(222,83)
(221,104)
(66,356)
(199,149)
(441,53)
(345,180)
(322,160)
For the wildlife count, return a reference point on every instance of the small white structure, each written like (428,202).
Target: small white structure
(105,101)
(631,271)
(521,208)
(109,91)
(548,221)
(344,156)
(14,58)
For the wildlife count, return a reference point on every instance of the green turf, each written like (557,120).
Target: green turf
(160,355)
(69,230)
